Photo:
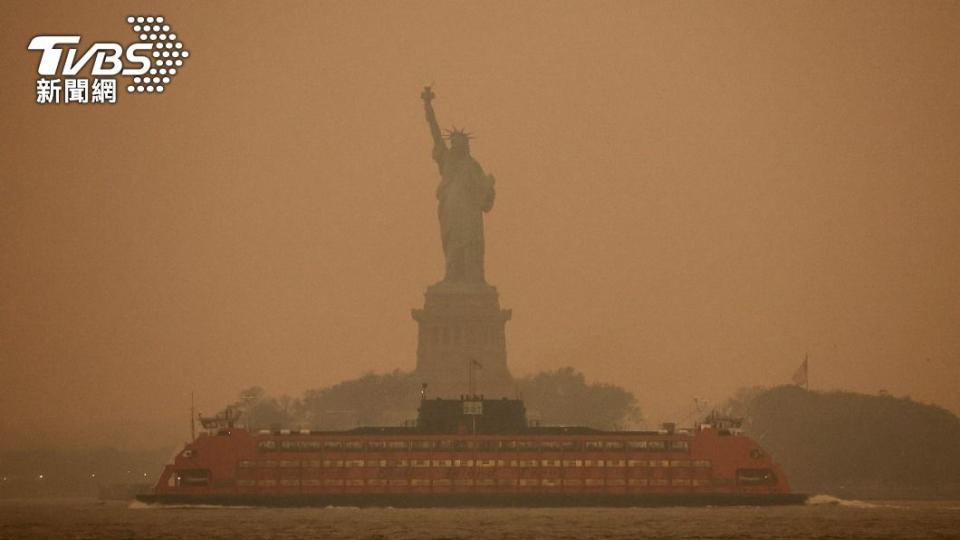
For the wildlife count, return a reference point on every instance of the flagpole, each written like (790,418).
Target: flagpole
(471,387)
(193,425)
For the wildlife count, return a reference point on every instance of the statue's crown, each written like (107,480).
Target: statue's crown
(455,133)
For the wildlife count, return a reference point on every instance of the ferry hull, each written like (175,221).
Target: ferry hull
(483,500)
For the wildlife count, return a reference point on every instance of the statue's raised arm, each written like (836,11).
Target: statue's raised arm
(438,143)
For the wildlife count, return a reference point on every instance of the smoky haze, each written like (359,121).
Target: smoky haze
(690,198)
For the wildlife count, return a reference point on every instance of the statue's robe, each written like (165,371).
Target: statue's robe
(464,194)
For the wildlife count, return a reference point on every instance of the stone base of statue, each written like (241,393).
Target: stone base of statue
(462,341)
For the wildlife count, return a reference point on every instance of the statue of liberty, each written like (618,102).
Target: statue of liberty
(464,194)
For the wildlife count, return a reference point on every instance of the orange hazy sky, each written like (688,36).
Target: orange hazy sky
(691,196)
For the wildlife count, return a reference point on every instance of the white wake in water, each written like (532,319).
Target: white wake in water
(850,503)
(138,505)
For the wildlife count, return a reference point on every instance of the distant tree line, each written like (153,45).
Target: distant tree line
(850,444)
(561,397)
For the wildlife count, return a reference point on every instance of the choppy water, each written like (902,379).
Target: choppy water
(825,517)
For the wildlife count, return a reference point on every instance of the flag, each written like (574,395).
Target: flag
(800,375)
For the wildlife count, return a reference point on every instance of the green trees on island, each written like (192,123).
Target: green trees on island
(561,397)
(850,444)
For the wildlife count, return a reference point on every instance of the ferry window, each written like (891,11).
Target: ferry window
(529,482)
(332,445)
(550,445)
(333,463)
(658,482)
(679,463)
(442,463)
(194,477)
(424,445)
(550,463)
(376,445)
(571,481)
(353,463)
(246,483)
(637,463)
(594,481)
(613,445)
(421,462)
(353,445)
(354,482)
(637,481)
(419,482)
(680,445)
(464,445)
(442,482)
(568,445)
(289,482)
(313,463)
(266,445)
(332,482)
(756,477)
(704,463)
(288,464)
(656,445)
(269,464)
(616,481)
(268,482)
(508,445)
(506,481)
(637,445)
(297,445)
(398,445)
(485,481)
(681,481)
(572,463)
(376,482)
(486,445)
(528,445)
(549,482)
(463,481)
(616,463)
(399,463)
(594,445)
(446,444)
(376,463)
(247,463)
(398,482)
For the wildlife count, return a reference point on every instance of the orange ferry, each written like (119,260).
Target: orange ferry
(473,452)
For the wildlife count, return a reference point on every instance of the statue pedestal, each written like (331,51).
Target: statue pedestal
(461,323)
